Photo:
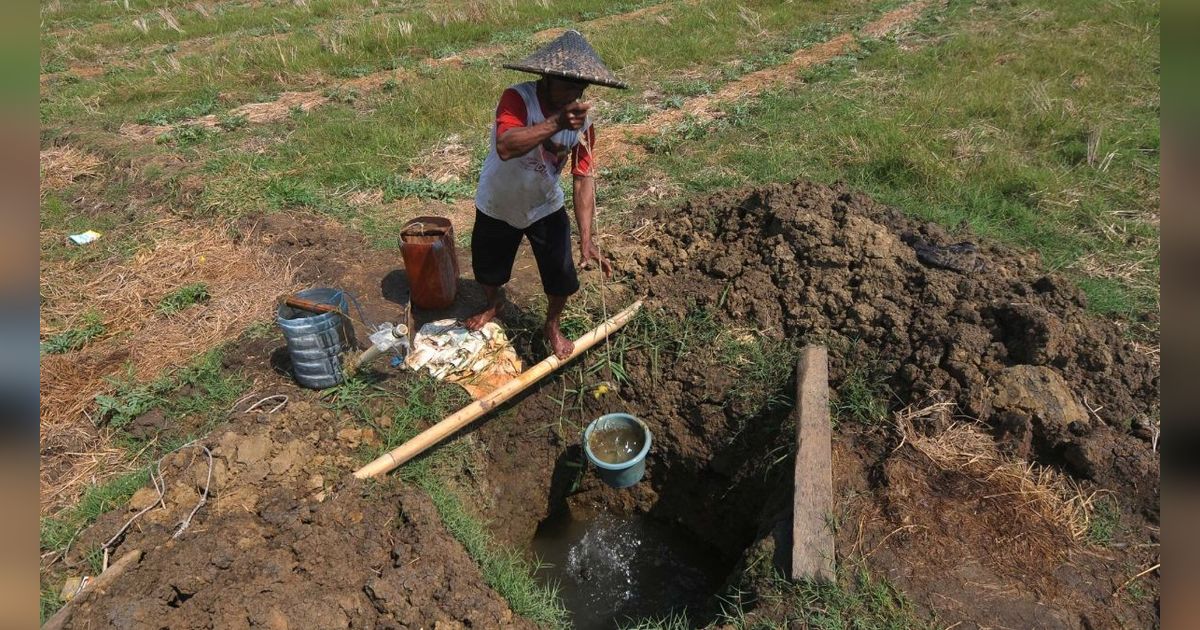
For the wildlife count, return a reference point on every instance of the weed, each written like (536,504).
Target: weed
(860,602)
(208,390)
(75,338)
(342,95)
(186,135)
(1105,522)
(229,121)
(764,369)
(202,106)
(354,395)
(49,602)
(183,297)
(862,396)
(291,193)
(57,532)
(128,402)
(425,189)
(350,72)
(628,114)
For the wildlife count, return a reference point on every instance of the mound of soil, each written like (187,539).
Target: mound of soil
(284,541)
(978,325)
(1011,345)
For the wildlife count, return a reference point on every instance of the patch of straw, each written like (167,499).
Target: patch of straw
(242,281)
(448,161)
(966,447)
(60,166)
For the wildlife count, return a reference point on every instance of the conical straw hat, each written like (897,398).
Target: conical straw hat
(571,57)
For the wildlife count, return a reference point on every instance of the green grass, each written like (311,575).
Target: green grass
(205,104)
(505,570)
(49,602)
(1105,522)
(851,602)
(71,340)
(426,401)
(208,390)
(183,297)
(59,530)
(764,369)
(862,602)
(862,397)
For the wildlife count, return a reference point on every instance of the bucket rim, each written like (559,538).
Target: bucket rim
(338,298)
(632,461)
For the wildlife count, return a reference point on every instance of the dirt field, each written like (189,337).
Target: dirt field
(987,292)
(283,519)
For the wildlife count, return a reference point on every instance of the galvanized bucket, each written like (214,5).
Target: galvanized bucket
(316,341)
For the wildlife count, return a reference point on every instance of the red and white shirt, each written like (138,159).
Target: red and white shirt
(524,189)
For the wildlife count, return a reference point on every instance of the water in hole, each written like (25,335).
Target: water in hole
(617,444)
(613,569)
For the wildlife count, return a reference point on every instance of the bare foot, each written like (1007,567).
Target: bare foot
(480,319)
(561,346)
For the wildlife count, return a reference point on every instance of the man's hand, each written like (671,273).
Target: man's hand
(573,115)
(589,252)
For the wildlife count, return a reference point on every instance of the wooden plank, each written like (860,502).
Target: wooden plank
(812,499)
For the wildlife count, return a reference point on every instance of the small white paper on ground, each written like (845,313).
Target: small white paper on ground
(84,238)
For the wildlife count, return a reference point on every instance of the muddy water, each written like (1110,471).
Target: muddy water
(618,444)
(612,569)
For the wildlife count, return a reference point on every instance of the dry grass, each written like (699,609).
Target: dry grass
(967,448)
(59,166)
(448,161)
(242,282)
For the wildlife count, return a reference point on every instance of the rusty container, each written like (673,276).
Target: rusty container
(427,245)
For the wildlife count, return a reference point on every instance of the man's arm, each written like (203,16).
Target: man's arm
(584,188)
(521,140)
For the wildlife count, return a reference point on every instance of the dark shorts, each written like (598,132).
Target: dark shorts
(494,246)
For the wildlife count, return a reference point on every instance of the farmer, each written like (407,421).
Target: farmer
(538,124)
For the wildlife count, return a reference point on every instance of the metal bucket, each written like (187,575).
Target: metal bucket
(628,472)
(316,341)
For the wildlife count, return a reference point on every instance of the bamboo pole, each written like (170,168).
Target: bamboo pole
(457,420)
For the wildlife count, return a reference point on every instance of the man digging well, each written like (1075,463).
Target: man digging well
(538,123)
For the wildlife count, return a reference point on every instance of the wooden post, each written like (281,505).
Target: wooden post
(812,499)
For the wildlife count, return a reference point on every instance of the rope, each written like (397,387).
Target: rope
(585,142)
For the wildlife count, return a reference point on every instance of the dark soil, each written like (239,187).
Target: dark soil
(1013,347)
(286,542)
(813,262)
